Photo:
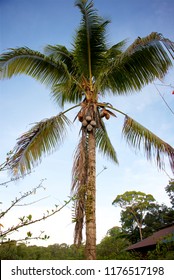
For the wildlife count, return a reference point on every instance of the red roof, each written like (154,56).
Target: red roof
(153,239)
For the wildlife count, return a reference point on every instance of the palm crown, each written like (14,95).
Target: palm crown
(78,76)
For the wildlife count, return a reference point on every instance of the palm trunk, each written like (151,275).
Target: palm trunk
(90,200)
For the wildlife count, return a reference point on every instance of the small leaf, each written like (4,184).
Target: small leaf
(29,217)
(29,234)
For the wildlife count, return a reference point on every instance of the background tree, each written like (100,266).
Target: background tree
(92,67)
(159,216)
(11,251)
(135,205)
(155,216)
(113,245)
(170,191)
(129,226)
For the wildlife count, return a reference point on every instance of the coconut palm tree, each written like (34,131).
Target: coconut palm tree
(90,69)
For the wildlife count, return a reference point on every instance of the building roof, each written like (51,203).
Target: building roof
(153,239)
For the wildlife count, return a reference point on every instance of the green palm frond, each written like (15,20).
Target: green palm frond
(145,60)
(115,50)
(34,64)
(138,136)
(68,91)
(149,40)
(41,139)
(59,52)
(104,144)
(90,39)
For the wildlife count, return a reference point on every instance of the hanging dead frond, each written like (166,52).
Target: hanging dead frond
(79,179)
(138,136)
(41,139)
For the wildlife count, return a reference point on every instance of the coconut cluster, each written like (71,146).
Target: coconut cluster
(89,123)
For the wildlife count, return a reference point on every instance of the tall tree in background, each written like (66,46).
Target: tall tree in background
(79,75)
(135,205)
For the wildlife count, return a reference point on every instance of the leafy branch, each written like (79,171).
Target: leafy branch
(28,220)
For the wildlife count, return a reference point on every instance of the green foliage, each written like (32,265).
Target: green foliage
(141,211)
(41,139)
(158,217)
(90,40)
(134,199)
(164,250)
(25,220)
(11,251)
(170,191)
(135,205)
(8,251)
(32,63)
(112,246)
(137,135)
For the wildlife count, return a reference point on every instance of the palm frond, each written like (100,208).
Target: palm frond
(59,53)
(150,40)
(115,50)
(68,91)
(145,60)
(89,41)
(104,144)
(79,179)
(41,139)
(34,64)
(138,136)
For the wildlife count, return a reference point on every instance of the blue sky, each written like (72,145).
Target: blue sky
(24,101)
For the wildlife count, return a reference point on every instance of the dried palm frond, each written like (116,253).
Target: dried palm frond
(79,179)
(138,136)
(41,139)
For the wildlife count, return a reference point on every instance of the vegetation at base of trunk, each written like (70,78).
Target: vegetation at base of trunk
(90,69)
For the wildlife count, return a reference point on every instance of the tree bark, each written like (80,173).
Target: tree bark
(91,200)
(140,231)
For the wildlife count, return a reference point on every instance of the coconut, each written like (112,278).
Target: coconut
(88,118)
(80,116)
(93,123)
(84,123)
(89,127)
(107,116)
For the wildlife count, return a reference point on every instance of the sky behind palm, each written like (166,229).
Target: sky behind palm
(23,101)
